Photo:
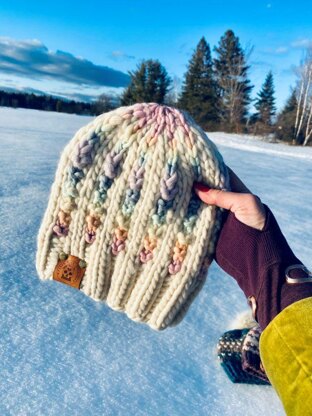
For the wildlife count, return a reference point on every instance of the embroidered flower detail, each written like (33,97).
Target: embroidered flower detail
(120,236)
(149,244)
(61,226)
(179,253)
(92,224)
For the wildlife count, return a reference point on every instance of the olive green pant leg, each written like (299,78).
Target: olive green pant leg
(286,354)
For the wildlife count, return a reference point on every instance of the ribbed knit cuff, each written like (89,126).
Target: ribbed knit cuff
(257,260)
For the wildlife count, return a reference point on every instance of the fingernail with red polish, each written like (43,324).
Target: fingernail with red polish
(201,187)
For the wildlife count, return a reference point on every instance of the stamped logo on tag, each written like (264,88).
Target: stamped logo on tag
(70,271)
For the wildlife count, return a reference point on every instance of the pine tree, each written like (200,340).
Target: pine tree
(291,103)
(232,77)
(285,124)
(265,102)
(199,91)
(149,83)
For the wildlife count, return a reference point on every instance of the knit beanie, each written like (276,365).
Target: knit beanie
(123,224)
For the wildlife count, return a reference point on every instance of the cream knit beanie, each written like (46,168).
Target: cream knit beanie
(123,224)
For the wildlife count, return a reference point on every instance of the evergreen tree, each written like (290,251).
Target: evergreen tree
(149,83)
(199,91)
(285,124)
(265,102)
(232,77)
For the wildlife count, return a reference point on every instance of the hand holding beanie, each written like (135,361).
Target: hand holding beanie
(258,260)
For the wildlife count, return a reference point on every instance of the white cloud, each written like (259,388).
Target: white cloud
(121,55)
(301,43)
(281,50)
(32,59)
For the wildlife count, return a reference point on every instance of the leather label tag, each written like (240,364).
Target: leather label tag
(68,271)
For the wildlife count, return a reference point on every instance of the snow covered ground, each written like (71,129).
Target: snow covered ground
(63,354)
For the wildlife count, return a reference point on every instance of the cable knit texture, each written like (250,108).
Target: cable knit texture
(122,202)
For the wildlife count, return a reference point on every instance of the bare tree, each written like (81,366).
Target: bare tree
(303,123)
(103,104)
(237,88)
(172,95)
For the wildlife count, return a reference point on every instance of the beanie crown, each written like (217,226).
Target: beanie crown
(122,209)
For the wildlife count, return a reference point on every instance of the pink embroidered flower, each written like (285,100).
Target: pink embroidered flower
(92,224)
(175,267)
(61,226)
(119,239)
(179,253)
(146,254)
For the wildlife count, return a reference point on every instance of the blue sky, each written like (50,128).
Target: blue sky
(45,45)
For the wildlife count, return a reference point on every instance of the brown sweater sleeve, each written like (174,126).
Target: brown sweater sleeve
(257,260)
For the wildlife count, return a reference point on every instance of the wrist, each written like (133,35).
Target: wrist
(257,259)
(277,293)
(245,252)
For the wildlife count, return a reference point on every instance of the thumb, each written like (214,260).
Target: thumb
(218,197)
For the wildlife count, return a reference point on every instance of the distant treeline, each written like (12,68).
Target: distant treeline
(50,103)
(216,91)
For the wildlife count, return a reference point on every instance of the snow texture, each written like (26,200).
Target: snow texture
(61,353)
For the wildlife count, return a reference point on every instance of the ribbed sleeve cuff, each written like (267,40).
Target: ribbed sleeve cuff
(257,259)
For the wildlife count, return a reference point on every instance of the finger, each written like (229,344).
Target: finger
(236,183)
(222,199)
